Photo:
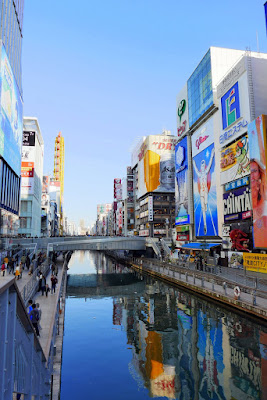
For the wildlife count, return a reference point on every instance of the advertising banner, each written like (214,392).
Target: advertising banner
(205,196)
(150,208)
(235,161)
(257,133)
(182,112)
(181,183)
(234,110)
(235,259)
(156,165)
(255,262)
(203,137)
(236,184)
(237,204)
(46,183)
(117,189)
(27,163)
(11,116)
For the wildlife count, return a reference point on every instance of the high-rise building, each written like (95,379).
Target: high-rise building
(31,178)
(11,14)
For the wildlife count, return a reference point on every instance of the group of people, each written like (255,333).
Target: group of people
(12,265)
(43,285)
(35,313)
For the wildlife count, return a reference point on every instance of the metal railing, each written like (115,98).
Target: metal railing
(165,247)
(215,278)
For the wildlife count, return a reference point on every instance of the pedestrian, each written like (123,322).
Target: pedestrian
(17,272)
(35,319)
(11,266)
(30,306)
(47,289)
(40,281)
(6,260)
(21,269)
(3,269)
(43,283)
(23,261)
(56,269)
(30,269)
(28,261)
(53,284)
(40,315)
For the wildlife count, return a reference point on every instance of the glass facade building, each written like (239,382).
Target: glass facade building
(11,14)
(199,86)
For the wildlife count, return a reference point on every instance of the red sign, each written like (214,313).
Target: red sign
(182,238)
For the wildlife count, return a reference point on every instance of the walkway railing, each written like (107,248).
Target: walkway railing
(220,279)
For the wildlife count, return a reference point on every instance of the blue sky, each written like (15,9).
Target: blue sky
(107,72)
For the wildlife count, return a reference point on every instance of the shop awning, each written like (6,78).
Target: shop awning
(200,246)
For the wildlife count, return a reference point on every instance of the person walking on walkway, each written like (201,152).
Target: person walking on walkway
(11,263)
(23,261)
(17,272)
(21,269)
(53,284)
(43,283)
(40,315)
(47,289)
(34,315)
(28,261)
(3,268)
(30,307)
(56,269)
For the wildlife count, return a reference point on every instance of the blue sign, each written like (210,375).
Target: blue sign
(230,106)
(205,196)
(236,184)
(11,116)
(181,183)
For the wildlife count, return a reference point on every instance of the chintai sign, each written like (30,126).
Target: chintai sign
(237,204)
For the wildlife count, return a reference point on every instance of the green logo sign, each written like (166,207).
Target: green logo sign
(181,108)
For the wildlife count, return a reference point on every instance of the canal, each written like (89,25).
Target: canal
(129,336)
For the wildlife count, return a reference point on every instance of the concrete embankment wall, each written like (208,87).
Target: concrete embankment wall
(213,292)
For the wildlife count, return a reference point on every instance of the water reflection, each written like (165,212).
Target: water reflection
(182,347)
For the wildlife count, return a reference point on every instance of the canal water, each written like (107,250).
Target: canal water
(128,336)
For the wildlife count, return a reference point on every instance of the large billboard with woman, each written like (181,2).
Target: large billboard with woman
(257,132)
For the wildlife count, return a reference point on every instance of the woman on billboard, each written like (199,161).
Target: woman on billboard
(259,188)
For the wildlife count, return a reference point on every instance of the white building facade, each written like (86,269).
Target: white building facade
(31,178)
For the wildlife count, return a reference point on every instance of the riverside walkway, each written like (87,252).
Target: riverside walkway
(49,309)
(219,287)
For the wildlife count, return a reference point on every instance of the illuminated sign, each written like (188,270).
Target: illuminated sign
(237,204)
(236,184)
(230,106)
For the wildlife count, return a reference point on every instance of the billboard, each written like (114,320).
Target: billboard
(27,163)
(255,262)
(182,112)
(235,162)
(237,204)
(181,183)
(203,137)
(199,86)
(234,105)
(11,116)
(117,189)
(205,196)
(257,133)
(156,168)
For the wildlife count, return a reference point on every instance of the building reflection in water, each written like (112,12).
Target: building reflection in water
(187,348)
(184,347)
